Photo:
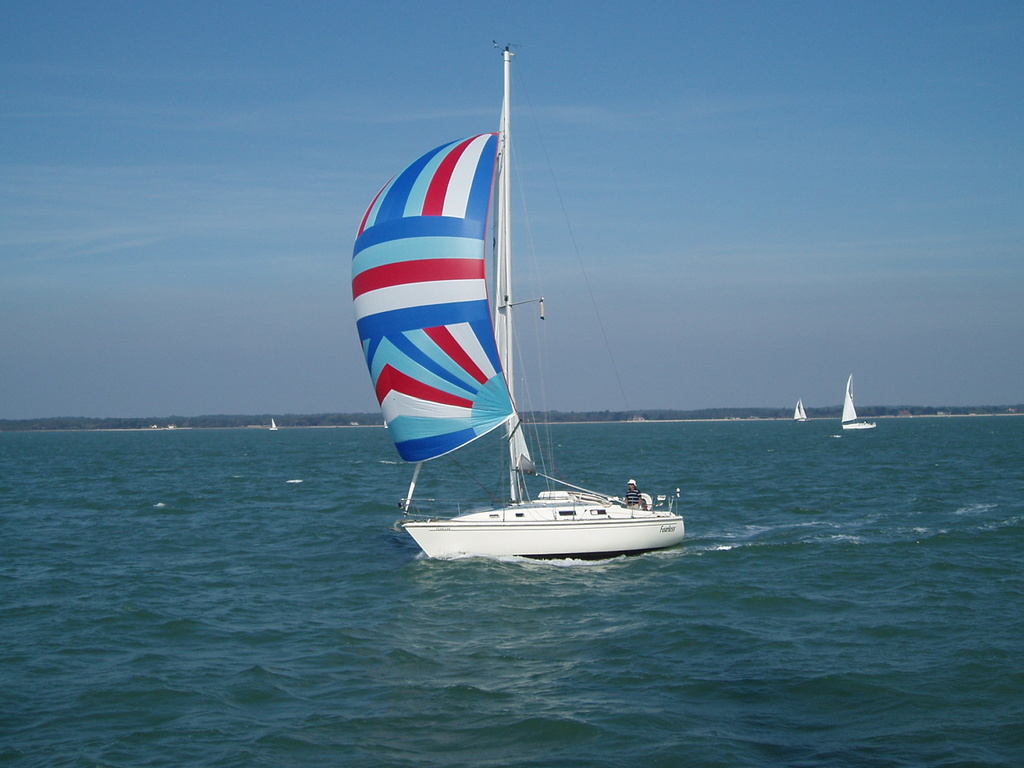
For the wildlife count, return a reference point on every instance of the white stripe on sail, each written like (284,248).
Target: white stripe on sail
(397,404)
(456,198)
(419,295)
(463,333)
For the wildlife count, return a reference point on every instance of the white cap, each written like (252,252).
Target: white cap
(632,482)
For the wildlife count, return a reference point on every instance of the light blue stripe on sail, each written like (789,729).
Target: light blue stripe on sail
(418,191)
(420,226)
(419,427)
(493,404)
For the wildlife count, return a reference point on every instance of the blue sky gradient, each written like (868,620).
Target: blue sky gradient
(726,204)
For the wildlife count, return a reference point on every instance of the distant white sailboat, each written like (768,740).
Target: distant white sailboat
(850,413)
(799,414)
(273,426)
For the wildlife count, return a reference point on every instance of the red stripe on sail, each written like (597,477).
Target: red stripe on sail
(417,271)
(393,380)
(444,339)
(433,204)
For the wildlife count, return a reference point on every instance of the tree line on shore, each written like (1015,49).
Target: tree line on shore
(375,419)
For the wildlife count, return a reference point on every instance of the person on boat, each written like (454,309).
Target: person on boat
(633,496)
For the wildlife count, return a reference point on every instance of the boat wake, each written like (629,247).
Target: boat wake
(975,509)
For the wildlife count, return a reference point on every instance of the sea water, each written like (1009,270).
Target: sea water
(240,598)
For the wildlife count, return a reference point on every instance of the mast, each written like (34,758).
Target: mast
(503,236)
(519,455)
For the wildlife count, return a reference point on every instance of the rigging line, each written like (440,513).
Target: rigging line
(579,258)
(604,496)
(555,469)
(540,431)
(540,342)
(490,493)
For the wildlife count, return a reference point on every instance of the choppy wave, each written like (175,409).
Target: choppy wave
(836,602)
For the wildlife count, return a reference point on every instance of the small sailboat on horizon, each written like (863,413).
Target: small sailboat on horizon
(441,359)
(850,419)
(799,414)
(273,425)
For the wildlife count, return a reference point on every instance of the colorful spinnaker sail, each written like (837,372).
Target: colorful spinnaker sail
(420,293)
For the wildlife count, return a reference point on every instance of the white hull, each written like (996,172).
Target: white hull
(549,530)
(859,425)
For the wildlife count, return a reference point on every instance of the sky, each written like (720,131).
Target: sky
(730,204)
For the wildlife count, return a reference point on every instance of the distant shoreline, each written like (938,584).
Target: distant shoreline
(331,421)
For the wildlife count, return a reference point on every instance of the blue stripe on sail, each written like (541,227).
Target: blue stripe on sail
(393,204)
(428,316)
(483,329)
(420,248)
(425,448)
(420,226)
(370,350)
(480,191)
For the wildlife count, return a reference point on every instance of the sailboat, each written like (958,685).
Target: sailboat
(799,414)
(440,358)
(273,425)
(850,413)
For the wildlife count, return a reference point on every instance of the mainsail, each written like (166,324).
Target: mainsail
(420,292)
(849,412)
